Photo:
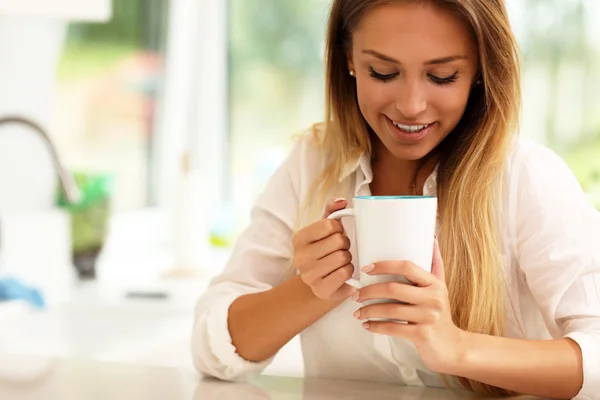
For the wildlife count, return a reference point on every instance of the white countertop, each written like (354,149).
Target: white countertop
(98,322)
(26,377)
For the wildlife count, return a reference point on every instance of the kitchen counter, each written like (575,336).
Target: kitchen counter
(99,321)
(37,377)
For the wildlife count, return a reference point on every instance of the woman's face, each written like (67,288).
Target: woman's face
(415,65)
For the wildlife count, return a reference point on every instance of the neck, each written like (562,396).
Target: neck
(396,177)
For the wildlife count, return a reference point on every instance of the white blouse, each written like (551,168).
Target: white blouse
(551,239)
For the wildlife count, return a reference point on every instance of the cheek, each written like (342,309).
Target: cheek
(451,104)
(373,98)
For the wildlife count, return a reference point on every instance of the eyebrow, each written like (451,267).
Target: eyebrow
(437,61)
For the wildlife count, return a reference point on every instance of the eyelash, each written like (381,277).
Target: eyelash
(381,77)
(444,81)
(437,80)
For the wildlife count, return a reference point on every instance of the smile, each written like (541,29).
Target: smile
(411,128)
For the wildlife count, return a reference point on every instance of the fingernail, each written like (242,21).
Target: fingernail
(357,314)
(356,296)
(366,325)
(368,268)
(339,199)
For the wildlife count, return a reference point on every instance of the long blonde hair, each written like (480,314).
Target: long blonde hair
(472,157)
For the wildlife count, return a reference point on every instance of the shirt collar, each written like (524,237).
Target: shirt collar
(362,163)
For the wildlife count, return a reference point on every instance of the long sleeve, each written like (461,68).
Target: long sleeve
(260,261)
(558,248)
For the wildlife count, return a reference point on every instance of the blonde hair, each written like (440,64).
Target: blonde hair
(471,164)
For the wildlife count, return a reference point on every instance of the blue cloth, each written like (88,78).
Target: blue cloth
(12,289)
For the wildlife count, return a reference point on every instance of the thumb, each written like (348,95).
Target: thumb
(334,205)
(437,265)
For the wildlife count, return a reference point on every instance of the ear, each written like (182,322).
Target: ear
(478,79)
(350,61)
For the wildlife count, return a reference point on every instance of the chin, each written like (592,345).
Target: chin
(410,155)
(409,152)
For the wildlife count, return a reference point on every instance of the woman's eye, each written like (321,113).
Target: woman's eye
(381,77)
(443,80)
(435,79)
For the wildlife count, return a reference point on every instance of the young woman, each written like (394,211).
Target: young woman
(423,99)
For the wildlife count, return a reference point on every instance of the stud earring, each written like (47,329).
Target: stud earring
(352,73)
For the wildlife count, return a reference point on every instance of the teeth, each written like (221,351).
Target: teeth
(411,128)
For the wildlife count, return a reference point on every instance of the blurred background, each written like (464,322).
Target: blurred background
(111,81)
(171,115)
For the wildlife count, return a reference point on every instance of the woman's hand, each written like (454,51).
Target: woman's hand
(430,326)
(322,256)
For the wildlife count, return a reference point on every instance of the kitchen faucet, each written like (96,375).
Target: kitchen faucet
(68,185)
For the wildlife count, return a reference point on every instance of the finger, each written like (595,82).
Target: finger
(318,231)
(402,312)
(335,281)
(437,266)
(396,291)
(415,274)
(404,331)
(334,205)
(331,244)
(329,264)
(345,291)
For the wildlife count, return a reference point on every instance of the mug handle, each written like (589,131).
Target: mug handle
(348,212)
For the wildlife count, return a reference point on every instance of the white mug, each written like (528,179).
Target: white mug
(391,228)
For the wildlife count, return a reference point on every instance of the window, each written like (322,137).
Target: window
(276,81)
(561,88)
(109,85)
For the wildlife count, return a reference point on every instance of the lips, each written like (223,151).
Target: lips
(411,128)
(410,132)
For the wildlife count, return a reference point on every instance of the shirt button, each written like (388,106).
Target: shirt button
(428,189)
(409,374)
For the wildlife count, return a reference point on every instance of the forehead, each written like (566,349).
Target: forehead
(401,26)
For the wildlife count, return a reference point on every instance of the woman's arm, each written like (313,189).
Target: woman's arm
(258,263)
(551,368)
(556,241)
(556,236)
(543,368)
(261,324)
(257,304)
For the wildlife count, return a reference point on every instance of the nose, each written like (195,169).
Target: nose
(411,101)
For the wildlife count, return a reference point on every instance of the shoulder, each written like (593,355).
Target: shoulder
(541,196)
(308,157)
(287,186)
(544,200)
(304,163)
(535,170)
(307,144)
